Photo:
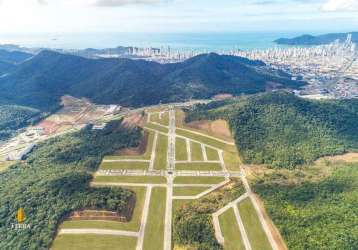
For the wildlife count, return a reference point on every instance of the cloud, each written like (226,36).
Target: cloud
(115,3)
(341,5)
(42,2)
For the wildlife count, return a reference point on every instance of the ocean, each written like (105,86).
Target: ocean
(203,42)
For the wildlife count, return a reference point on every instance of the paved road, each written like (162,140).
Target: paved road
(144,218)
(98,231)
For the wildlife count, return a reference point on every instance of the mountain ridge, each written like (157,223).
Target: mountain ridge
(41,81)
(307,39)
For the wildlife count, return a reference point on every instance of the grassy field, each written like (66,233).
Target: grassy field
(188,191)
(124,165)
(180,150)
(255,233)
(93,242)
(198,166)
(160,161)
(156,127)
(203,139)
(198,180)
(232,159)
(145,156)
(131,179)
(165,119)
(212,154)
(231,231)
(196,152)
(132,225)
(154,117)
(4,165)
(154,230)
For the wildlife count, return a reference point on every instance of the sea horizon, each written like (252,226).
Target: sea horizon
(203,42)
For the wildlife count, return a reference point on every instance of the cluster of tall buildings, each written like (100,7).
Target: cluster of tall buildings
(330,70)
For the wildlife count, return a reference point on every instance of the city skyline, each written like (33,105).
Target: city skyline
(65,16)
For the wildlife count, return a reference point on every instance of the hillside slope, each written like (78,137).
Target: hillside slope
(283,130)
(317,40)
(41,81)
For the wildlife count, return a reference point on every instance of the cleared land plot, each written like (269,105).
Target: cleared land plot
(255,233)
(131,179)
(212,154)
(132,225)
(154,117)
(201,138)
(196,152)
(231,231)
(198,180)
(4,165)
(160,161)
(124,165)
(156,127)
(145,156)
(202,166)
(231,159)
(154,230)
(181,153)
(165,119)
(188,191)
(93,242)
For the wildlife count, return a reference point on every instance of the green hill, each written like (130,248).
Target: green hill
(317,40)
(282,130)
(14,117)
(41,81)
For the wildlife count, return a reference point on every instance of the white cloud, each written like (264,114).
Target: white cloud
(341,5)
(111,3)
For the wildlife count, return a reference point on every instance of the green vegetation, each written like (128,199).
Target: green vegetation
(160,161)
(14,117)
(231,231)
(154,117)
(198,180)
(205,166)
(41,81)
(132,225)
(93,242)
(181,153)
(196,152)
(253,227)
(212,154)
(283,130)
(4,165)
(193,222)
(131,179)
(154,229)
(124,165)
(146,156)
(313,210)
(165,119)
(54,181)
(188,191)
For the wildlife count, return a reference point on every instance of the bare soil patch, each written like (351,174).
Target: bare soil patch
(134,120)
(217,128)
(221,97)
(346,158)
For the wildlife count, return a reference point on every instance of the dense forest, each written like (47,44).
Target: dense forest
(193,226)
(282,130)
(41,81)
(54,181)
(314,214)
(14,117)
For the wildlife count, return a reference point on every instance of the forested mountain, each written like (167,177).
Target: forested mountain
(41,81)
(283,130)
(13,57)
(6,67)
(317,40)
(13,117)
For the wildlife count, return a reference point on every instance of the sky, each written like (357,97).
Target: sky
(73,16)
